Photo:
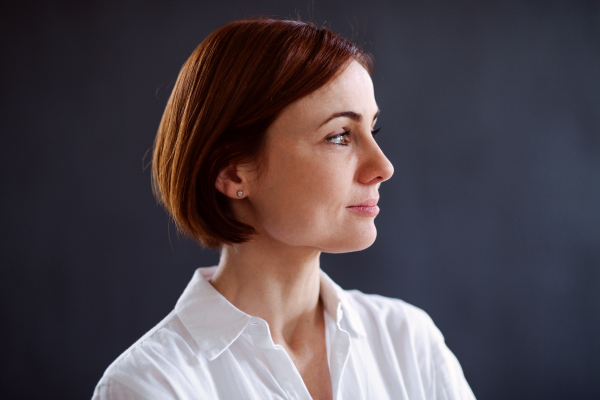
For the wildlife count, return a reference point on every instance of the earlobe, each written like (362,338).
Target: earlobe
(230,184)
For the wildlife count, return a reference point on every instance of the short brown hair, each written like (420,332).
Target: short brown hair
(230,90)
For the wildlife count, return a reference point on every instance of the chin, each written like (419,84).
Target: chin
(350,243)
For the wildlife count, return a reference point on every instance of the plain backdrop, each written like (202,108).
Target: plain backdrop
(491,223)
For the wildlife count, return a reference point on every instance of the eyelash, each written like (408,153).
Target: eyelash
(346,133)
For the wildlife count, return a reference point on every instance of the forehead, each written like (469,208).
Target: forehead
(351,90)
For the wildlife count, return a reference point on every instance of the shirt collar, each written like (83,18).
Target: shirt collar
(339,308)
(214,323)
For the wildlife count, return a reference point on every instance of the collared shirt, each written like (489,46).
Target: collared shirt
(206,348)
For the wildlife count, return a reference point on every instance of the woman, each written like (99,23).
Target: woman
(266,151)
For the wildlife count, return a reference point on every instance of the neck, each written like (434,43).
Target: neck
(272,281)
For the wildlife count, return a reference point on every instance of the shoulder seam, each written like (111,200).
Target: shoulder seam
(153,330)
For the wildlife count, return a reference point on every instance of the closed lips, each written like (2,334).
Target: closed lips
(368,208)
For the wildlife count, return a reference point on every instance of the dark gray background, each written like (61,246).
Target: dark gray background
(491,223)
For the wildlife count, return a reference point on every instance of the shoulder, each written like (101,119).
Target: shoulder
(149,368)
(396,327)
(394,315)
(399,330)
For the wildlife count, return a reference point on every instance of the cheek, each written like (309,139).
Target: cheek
(316,181)
(303,196)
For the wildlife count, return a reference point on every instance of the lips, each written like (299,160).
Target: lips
(368,208)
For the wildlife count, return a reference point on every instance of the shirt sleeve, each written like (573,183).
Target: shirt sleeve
(448,377)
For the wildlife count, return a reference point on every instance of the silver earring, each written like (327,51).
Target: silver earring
(240,193)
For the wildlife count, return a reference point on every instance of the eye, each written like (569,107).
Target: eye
(341,139)
(374,131)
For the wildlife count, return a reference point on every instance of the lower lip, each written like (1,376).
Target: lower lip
(371,211)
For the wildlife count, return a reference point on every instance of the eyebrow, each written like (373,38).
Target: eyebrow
(348,114)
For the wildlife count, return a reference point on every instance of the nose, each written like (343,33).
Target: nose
(375,167)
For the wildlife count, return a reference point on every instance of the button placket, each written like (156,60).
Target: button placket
(340,352)
(283,368)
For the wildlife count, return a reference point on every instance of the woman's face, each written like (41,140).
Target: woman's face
(323,169)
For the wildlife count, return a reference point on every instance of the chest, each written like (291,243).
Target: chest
(249,370)
(313,367)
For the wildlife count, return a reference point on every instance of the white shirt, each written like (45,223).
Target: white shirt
(378,348)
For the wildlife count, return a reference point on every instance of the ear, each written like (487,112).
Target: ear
(232,180)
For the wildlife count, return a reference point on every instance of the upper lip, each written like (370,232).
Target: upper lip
(367,203)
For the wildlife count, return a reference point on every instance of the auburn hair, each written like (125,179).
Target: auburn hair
(228,92)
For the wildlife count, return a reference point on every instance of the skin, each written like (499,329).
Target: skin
(299,206)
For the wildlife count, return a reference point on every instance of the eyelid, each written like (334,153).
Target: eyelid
(341,135)
(347,133)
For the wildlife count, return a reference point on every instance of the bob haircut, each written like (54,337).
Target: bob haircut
(230,90)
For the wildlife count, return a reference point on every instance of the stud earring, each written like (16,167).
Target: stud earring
(240,193)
